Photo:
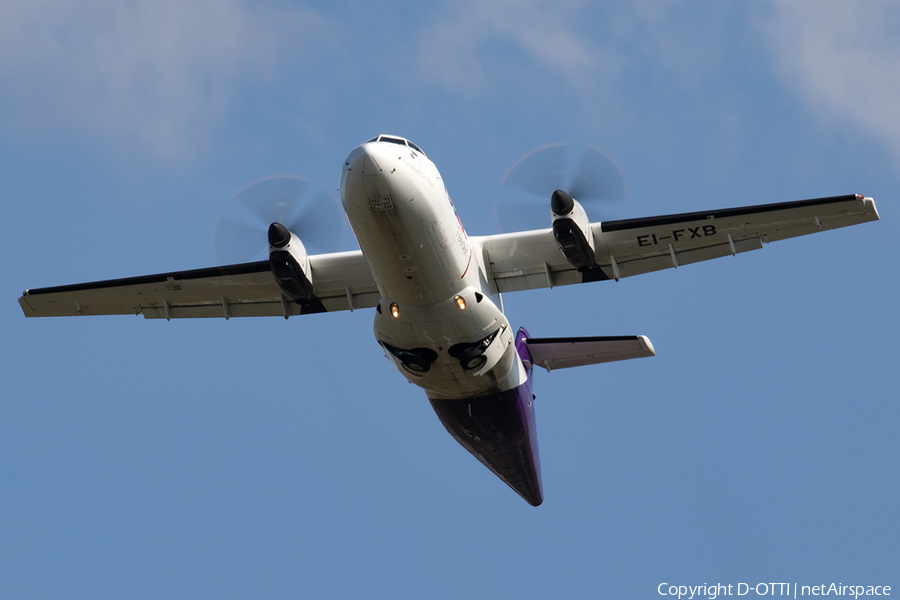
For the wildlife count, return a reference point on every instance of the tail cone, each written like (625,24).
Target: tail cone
(499,430)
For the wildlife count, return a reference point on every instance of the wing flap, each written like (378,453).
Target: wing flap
(659,262)
(562,353)
(537,278)
(197,311)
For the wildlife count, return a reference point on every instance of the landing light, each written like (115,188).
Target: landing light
(395,310)
(460,302)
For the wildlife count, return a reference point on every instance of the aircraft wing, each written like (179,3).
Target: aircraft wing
(532,259)
(341,281)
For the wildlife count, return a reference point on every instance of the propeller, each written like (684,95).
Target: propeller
(240,232)
(591,179)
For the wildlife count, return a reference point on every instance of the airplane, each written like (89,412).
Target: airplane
(436,291)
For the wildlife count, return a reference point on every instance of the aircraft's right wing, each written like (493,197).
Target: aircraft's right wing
(342,281)
(532,259)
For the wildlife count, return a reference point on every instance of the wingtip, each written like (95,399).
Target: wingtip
(648,345)
(870,207)
(23,303)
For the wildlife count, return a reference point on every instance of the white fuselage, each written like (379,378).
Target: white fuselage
(436,304)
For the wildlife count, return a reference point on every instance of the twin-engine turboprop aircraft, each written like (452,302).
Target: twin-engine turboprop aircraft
(436,291)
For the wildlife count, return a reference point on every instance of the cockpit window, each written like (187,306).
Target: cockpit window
(399,141)
(393,140)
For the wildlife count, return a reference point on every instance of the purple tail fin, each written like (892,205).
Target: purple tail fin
(499,430)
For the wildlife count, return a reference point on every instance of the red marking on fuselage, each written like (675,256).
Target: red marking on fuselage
(468,263)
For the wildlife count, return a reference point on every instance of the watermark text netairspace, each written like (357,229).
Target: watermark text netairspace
(793,590)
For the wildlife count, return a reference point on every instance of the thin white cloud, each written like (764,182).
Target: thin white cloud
(683,38)
(451,51)
(159,73)
(843,58)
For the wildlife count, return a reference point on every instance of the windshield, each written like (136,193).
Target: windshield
(397,140)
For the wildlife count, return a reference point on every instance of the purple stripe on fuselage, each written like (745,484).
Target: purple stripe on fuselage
(499,430)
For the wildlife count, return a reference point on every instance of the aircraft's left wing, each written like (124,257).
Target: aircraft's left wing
(532,259)
(341,281)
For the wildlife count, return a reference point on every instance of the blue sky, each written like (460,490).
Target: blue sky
(265,458)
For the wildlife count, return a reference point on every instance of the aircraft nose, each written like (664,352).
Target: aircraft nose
(364,160)
(369,159)
(364,173)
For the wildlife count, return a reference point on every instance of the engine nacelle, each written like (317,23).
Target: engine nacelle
(290,264)
(572,230)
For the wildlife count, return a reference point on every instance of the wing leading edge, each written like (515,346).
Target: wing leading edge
(531,259)
(342,281)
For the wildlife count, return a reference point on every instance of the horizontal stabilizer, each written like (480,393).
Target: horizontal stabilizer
(561,353)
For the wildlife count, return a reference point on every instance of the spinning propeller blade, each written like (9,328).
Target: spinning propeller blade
(595,177)
(239,234)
